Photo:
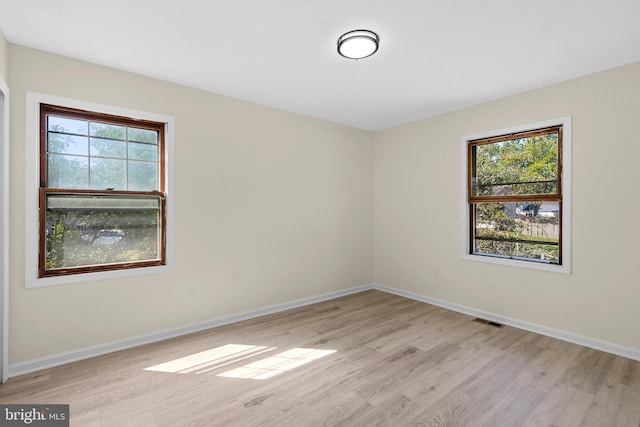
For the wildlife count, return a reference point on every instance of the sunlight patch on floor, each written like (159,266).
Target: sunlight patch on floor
(275,365)
(210,359)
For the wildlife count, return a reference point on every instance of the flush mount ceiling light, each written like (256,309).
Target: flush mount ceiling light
(358,44)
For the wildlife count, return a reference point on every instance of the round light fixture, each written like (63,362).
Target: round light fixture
(358,44)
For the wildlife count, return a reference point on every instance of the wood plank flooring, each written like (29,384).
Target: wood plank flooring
(368,359)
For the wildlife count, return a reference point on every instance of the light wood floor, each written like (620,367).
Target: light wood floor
(366,359)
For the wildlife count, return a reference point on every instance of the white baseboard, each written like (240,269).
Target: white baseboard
(99,350)
(607,347)
(73,356)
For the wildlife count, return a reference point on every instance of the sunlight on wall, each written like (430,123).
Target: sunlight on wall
(219,357)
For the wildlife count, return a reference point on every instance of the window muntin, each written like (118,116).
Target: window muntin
(94,153)
(102,193)
(514,191)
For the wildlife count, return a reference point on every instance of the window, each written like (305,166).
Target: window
(101,183)
(516,206)
(101,192)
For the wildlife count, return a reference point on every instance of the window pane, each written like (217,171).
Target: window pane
(143,135)
(529,230)
(67,171)
(517,166)
(143,176)
(96,230)
(108,148)
(108,173)
(143,151)
(64,125)
(103,130)
(67,144)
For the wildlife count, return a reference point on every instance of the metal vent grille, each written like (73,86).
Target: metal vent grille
(488,322)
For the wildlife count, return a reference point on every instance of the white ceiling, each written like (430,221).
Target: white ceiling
(435,55)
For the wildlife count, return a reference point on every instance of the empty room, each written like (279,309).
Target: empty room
(331,213)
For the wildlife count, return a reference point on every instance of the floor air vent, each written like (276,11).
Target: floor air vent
(488,322)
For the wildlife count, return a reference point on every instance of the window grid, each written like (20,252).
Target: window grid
(126,158)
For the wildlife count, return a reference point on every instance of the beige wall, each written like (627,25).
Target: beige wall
(283,199)
(418,210)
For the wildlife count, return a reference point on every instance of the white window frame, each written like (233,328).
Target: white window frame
(4,230)
(32,170)
(466,254)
